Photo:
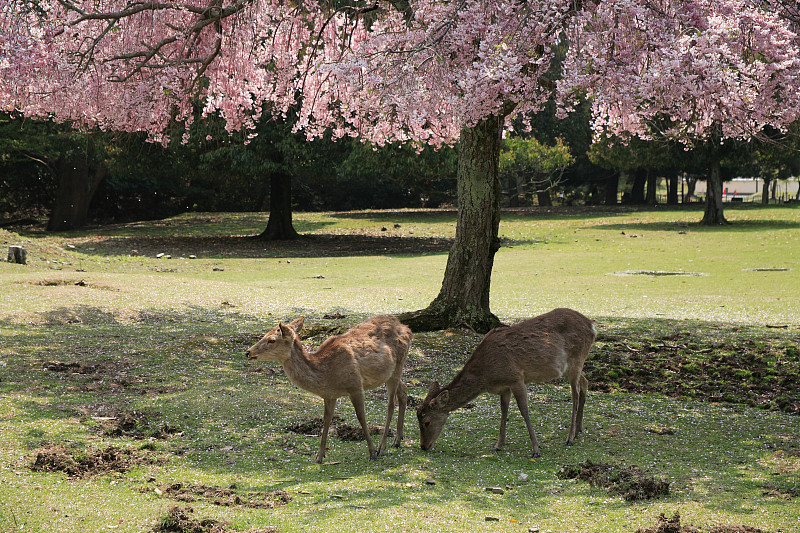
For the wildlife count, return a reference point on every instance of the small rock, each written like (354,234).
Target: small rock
(522,478)
(495,490)
(492,519)
(397,226)
(533,529)
(337,496)
(218,269)
(160,255)
(430,481)
(70,247)
(192,256)
(384,228)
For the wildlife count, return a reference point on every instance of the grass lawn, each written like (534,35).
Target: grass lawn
(124,390)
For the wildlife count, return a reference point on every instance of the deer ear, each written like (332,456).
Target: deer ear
(440,401)
(286,331)
(433,390)
(297,323)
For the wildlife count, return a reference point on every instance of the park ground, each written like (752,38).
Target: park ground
(126,403)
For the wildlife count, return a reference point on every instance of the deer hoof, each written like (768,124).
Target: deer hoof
(534,455)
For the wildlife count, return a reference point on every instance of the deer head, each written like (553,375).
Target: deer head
(432,414)
(276,345)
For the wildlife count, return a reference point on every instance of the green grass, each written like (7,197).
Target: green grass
(688,361)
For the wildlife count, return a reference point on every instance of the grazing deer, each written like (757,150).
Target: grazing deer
(364,357)
(536,350)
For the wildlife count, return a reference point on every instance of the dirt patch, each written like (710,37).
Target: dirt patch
(757,371)
(81,464)
(340,429)
(630,482)
(135,425)
(225,497)
(180,520)
(673,525)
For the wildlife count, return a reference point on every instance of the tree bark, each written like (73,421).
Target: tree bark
(652,186)
(637,191)
(672,189)
(77,185)
(464,296)
(765,192)
(714,214)
(612,188)
(279,225)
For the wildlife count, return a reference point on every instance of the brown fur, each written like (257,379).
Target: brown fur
(362,358)
(536,350)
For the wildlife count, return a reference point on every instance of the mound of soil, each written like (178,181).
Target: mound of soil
(630,482)
(339,428)
(179,520)
(136,425)
(222,496)
(673,525)
(58,458)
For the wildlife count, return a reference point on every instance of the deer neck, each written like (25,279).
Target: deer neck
(463,389)
(301,367)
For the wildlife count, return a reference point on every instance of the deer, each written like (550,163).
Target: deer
(535,350)
(362,358)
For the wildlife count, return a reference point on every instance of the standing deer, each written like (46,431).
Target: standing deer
(536,350)
(364,357)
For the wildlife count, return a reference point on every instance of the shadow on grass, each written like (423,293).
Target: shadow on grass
(189,366)
(316,245)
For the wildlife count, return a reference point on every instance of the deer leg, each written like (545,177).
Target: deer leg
(505,399)
(330,406)
(391,394)
(521,395)
(581,401)
(402,401)
(358,403)
(576,385)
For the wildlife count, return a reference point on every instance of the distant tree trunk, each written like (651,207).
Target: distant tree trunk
(612,188)
(652,185)
(714,214)
(765,192)
(77,184)
(464,296)
(544,198)
(691,183)
(279,225)
(672,189)
(637,192)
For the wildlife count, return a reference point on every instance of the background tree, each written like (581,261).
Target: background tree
(528,167)
(430,71)
(703,74)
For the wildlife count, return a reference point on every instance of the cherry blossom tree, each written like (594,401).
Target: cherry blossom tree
(429,72)
(704,73)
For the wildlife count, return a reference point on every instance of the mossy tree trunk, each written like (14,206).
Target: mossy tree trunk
(464,296)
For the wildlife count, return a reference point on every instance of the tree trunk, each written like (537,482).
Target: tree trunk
(464,296)
(637,191)
(714,211)
(77,185)
(279,225)
(544,198)
(612,188)
(765,192)
(672,190)
(691,183)
(652,188)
